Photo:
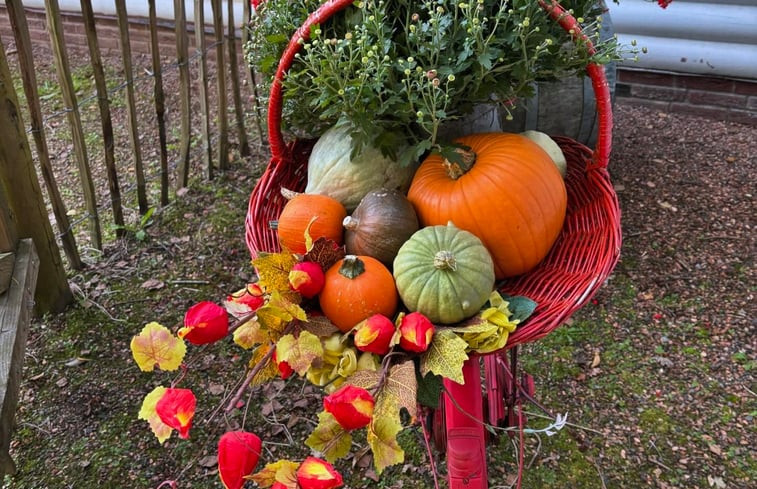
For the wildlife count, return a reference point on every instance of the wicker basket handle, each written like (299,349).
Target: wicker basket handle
(325,11)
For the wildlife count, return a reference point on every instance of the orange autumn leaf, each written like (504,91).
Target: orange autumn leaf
(238,454)
(147,412)
(176,408)
(156,346)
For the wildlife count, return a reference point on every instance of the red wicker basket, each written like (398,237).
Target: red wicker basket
(580,260)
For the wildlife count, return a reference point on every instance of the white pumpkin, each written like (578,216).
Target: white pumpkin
(331,171)
(550,147)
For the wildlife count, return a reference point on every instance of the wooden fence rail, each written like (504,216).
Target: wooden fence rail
(125,170)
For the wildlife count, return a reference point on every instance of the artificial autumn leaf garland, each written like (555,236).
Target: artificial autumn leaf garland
(370,373)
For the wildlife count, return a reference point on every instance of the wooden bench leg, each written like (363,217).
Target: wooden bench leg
(15,313)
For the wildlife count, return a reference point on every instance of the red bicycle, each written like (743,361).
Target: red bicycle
(584,255)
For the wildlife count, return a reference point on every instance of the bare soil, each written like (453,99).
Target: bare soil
(656,374)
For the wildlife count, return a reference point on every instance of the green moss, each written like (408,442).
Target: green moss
(655,420)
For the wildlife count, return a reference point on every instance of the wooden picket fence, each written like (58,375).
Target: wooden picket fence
(214,150)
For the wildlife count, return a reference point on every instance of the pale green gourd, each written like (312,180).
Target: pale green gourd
(444,273)
(331,171)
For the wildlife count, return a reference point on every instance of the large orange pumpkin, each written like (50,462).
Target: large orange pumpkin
(356,288)
(323,214)
(512,197)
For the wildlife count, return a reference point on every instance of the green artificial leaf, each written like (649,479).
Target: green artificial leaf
(382,438)
(429,390)
(329,438)
(299,352)
(521,307)
(445,356)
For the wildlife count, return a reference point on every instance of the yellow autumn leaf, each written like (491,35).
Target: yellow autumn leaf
(445,356)
(329,438)
(249,334)
(148,412)
(277,313)
(299,352)
(156,346)
(273,270)
(269,371)
(382,438)
(283,471)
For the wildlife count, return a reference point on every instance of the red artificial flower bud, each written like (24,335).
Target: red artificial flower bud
(351,406)
(416,332)
(177,409)
(250,297)
(285,370)
(307,278)
(375,334)
(315,473)
(238,454)
(205,322)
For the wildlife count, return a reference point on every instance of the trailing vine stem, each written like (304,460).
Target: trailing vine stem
(260,365)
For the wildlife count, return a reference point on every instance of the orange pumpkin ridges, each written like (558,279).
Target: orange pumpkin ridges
(356,288)
(325,213)
(513,198)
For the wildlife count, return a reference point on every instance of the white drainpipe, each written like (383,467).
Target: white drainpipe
(716,38)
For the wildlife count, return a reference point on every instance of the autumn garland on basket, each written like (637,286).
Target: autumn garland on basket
(370,371)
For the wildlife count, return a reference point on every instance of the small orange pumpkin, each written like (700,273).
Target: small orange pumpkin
(325,214)
(356,288)
(511,196)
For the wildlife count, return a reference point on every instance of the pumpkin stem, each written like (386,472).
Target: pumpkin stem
(350,223)
(458,163)
(445,260)
(351,267)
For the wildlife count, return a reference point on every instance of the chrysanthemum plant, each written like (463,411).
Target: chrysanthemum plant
(369,375)
(394,71)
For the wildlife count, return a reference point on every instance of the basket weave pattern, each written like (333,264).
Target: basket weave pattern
(581,259)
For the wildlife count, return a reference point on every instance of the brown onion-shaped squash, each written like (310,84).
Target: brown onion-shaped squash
(323,214)
(512,197)
(383,221)
(356,288)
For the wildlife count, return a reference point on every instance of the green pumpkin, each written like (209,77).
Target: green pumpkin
(444,273)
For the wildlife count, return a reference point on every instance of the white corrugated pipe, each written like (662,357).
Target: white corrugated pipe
(139,8)
(717,38)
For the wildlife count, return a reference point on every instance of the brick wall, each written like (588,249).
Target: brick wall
(718,98)
(107,33)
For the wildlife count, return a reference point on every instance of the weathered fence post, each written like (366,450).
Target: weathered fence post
(26,62)
(55,27)
(244,146)
(160,108)
(201,47)
(107,123)
(223,117)
(25,209)
(131,105)
(182,59)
